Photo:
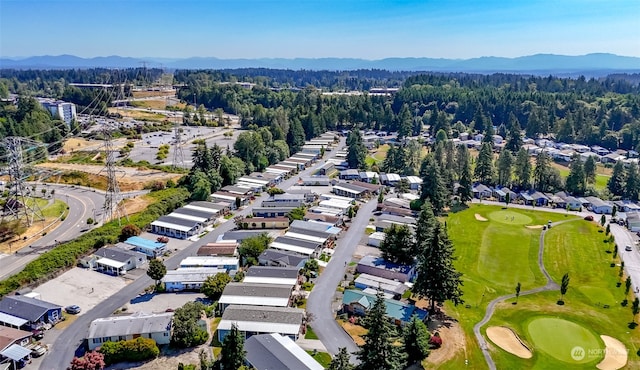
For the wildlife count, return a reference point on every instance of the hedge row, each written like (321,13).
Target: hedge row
(139,349)
(66,255)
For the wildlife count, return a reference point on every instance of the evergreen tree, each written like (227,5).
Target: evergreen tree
(632,185)
(415,340)
(541,172)
(357,152)
(505,162)
(522,169)
(488,134)
(341,361)
(433,187)
(484,166)
(398,245)
(378,351)
(405,122)
(388,165)
(589,169)
(514,134)
(295,136)
(617,180)
(232,356)
(424,227)
(464,170)
(437,278)
(576,182)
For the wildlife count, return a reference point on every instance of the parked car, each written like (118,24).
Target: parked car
(37,334)
(74,310)
(38,350)
(628,248)
(588,218)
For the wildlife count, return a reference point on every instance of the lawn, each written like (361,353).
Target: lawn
(55,209)
(310,334)
(495,255)
(323,358)
(602,176)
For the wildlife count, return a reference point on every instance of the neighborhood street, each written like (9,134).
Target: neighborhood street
(320,301)
(72,337)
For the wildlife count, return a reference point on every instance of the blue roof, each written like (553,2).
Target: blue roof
(381,263)
(137,241)
(395,309)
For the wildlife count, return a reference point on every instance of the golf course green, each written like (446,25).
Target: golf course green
(563,340)
(510,217)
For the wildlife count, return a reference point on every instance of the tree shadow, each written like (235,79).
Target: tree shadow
(632,325)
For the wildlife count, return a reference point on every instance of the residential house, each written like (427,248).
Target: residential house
(150,248)
(599,206)
(481,191)
(13,347)
(378,266)
(240,190)
(501,194)
(572,203)
(271,295)
(317,180)
(28,313)
(308,248)
(176,227)
(116,261)
(612,158)
(369,177)
(271,211)
(225,248)
(633,221)
(325,228)
(156,326)
(349,175)
(350,190)
(376,238)
(255,320)
(274,351)
(273,275)
(189,278)
(220,262)
(356,302)
(252,223)
(389,179)
(276,257)
(414,182)
(392,287)
(327,169)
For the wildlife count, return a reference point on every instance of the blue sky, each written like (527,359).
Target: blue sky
(368,29)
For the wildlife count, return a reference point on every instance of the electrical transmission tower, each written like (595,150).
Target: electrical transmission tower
(113,199)
(18,205)
(178,155)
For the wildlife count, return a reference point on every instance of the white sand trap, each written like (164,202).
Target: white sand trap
(615,356)
(480,218)
(506,339)
(534,226)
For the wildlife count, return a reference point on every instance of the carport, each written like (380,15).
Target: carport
(17,354)
(12,321)
(110,266)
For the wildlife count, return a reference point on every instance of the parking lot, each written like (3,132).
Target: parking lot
(82,287)
(150,303)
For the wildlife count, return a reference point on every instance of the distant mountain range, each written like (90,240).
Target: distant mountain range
(539,64)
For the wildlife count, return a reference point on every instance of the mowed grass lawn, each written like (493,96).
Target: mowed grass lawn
(578,248)
(493,256)
(601,178)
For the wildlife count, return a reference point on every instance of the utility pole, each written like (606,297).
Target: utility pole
(17,203)
(178,155)
(113,199)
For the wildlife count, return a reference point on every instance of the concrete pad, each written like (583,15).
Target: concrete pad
(150,303)
(82,287)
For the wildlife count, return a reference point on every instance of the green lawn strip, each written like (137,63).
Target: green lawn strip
(55,209)
(601,180)
(323,358)
(310,334)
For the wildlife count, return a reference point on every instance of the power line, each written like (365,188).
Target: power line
(112,207)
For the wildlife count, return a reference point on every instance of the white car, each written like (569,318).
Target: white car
(628,248)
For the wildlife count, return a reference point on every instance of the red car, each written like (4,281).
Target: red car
(589,218)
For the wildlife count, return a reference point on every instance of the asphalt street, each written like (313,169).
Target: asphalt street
(321,299)
(72,337)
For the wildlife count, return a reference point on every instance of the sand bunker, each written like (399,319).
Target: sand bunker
(506,339)
(480,218)
(534,226)
(615,356)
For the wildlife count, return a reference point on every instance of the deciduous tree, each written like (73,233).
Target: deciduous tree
(213,286)
(157,270)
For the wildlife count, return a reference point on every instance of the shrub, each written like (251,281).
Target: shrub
(138,349)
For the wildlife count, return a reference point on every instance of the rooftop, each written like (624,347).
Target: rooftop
(117,254)
(25,308)
(272,271)
(394,309)
(137,241)
(274,351)
(381,263)
(138,323)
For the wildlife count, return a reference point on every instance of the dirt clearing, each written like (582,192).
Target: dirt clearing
(453,341)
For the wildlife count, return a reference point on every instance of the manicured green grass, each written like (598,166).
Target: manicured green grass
(310,334)
(55,209)
(558,337)
(495,255)
(323,358)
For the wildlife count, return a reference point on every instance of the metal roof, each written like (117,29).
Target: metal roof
(206,214)
(209,261)
(12,320)
(272,271)
(292,248)
(274,351)
(117,254)
(26,308)
(320,240)
(288,258)
(16,352)
(137,241)
(262,314)
(191,275)
(254,291)
(138,323)
(176,222)
(184,216)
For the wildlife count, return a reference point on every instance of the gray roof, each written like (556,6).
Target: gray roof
(257,290)
(138,323)
(349,173)
(287,196)
(117,254)
(398,219)
(284,315)
(241,235)
(26,308)
(351,187)
(273,272)
(178,221)
(286,257)
(297,242)
(273,351)
(597,202)
(195,212)
(283,209)
(311,226)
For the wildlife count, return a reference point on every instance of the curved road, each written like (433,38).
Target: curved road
(321,298)
(72,337)
(549,286)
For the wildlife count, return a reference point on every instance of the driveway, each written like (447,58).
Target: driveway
(320,302)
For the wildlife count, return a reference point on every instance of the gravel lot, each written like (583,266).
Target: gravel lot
(82,287)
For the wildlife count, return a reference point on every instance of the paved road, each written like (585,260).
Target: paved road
(550,285)
(321,298)
(72,337)
(83,203)
(631,259)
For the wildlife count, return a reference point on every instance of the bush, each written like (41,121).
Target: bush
(139,349)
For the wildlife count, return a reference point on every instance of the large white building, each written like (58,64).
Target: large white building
(60,109)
